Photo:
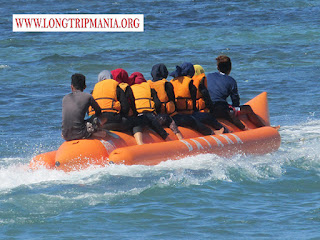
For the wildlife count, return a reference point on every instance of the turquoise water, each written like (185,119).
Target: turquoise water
(274,47)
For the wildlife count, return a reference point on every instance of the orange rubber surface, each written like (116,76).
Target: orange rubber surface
(121,148)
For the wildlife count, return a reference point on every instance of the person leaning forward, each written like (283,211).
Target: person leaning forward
(131,120)
(147,103)
(112,100)
(185,95)
(165,93)
(204,102)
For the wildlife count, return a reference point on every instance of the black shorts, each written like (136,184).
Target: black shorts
(221,110)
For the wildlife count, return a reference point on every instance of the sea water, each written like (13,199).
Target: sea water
(274,47)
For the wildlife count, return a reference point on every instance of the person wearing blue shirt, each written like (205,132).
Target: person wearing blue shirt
(220,87)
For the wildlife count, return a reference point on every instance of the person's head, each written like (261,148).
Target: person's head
(105,74)
(185,69)
(224,64)
(137,78)
(78,81)
(121,76)
(159,72)
(198,70)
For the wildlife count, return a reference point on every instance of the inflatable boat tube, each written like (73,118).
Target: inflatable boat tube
(121,148)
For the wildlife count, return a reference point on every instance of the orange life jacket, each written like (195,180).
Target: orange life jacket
(201,105)
(124,86)
(143,98)
(105,93)
(167,107)
(182,94)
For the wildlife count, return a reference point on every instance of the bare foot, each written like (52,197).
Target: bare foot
(220,131)
(276,127)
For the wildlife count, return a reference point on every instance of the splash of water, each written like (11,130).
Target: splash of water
(300,147)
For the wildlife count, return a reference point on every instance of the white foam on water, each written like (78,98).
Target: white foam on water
(50,192)
(300,146)
(4,66)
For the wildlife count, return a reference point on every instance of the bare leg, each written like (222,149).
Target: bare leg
(179,136)
(138,137)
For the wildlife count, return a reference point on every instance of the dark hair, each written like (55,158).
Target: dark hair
(224,64)
(78,81)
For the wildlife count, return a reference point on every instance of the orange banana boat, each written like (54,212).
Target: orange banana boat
(121,148)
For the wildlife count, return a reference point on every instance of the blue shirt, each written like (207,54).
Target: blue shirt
(221,86)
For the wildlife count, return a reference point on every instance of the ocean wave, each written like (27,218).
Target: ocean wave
(188,171)
(57,57)
(4,66)
(100,185)
(50,192)
(300,144)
